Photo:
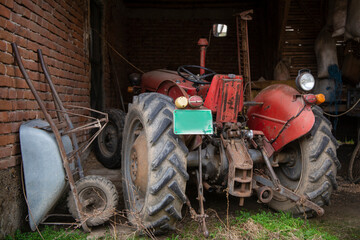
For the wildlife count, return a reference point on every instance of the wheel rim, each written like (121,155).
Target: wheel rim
(354,165)
(290,169)
(108,140)
(93,200)
(136,167)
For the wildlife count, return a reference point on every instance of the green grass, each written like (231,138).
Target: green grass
(262,225)
(49,233)
(243,225)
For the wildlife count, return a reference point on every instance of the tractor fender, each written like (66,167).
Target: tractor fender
(283,117)
(171,89)
(165,82)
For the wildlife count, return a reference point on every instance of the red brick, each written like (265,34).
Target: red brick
(10,26)
(20,83)
(32,7)
(6,58)
(4,92)
(17,116)
(5,12)
(2,69)
(6,81)
(9,3)
(6,105)
(4,116)
(15,126)
(6,151)
(5,127)
(46,6)
(8,162)
(12,94)
(3,46)
(7,36)
(7,139)
(21,10)
(13,71)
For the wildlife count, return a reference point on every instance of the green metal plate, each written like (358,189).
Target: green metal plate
(190,122)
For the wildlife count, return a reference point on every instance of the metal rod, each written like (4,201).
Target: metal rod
(201,196)
(61,107)
(273,176)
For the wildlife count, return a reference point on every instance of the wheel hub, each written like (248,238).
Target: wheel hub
(92,199)
(139,163)
(291,163)
(134,165)
(109,138)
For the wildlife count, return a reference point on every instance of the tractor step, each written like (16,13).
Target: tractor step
(240,169)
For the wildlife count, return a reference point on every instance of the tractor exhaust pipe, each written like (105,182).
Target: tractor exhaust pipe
(203,43)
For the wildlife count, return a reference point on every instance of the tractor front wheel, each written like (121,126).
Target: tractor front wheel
(98,197)
(310,168)
(153,164)
(107,145)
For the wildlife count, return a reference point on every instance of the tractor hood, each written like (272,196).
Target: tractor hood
(171,84)
(151,81)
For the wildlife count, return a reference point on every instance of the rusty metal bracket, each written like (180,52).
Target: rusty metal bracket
(240,169)
(275,184)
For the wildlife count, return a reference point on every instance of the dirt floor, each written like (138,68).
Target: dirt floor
(342,217)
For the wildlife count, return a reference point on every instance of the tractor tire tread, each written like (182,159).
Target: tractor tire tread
(174,186)
(327,132)
(321,164)
(320,113)
(165,123)
(164,179)
(167,163)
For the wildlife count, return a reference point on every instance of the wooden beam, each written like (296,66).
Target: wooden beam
(284,6)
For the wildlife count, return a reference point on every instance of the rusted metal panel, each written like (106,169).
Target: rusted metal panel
(231,100)
(225,97)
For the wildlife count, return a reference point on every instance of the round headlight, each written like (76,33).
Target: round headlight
(305,81)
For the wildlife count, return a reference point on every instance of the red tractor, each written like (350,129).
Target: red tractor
(184,125)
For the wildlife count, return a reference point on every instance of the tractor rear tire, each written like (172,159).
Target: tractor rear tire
(98,197)
(313,171)
(107,145)
(153,165)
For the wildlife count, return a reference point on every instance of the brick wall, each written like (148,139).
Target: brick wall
(57,28)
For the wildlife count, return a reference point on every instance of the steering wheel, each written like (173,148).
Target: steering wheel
(194,77)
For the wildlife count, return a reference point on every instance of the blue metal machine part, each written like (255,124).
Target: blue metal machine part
(43,168)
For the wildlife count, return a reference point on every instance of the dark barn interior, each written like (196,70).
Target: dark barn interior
(164,34)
